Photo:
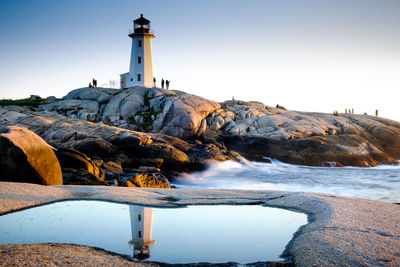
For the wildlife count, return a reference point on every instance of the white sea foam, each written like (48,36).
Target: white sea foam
(378,183)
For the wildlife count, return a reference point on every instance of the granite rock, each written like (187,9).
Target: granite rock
(25,157)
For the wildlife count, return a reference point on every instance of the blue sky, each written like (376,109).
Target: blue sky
(305,55)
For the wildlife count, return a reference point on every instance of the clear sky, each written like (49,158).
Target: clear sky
(305,55)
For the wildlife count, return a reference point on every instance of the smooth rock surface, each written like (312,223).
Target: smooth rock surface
(25,157)
(341,231)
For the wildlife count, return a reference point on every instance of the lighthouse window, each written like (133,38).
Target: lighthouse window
(139,43)
(139,77)
(139,234)
(139,60)
(139,217)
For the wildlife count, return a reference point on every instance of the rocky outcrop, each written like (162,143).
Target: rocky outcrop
(155,110)
(98,94)
(127,148)
(77,109)
(317,139)
(83,104)
(25,157)
(161,118)
(158,110)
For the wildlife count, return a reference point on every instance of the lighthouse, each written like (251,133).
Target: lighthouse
(141,64)
(141,227)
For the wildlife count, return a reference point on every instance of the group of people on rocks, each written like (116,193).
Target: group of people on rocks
(163,82)
(93,83)
(351,111)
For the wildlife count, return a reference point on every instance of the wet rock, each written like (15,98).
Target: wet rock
(25,157)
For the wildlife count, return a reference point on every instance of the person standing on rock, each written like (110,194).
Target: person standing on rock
(154,81)
(376,112)
(162,83)
(94,83)
(167,83)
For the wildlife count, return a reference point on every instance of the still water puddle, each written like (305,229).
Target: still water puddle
(182,235)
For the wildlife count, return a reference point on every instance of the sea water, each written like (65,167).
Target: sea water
(376,183)
(244,233)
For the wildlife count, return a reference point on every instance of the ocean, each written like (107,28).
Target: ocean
(375,183)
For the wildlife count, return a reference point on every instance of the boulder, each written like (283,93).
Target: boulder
(74,161)
(150,180)
(182,115)
(125,105)
(159,110)
(25,157)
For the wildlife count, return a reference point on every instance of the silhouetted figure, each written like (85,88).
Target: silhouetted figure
(94,83)
(233,98)
(345,110)
(167,83)
(365,114)
(154,81)
(352,111)
(90,85)
(162,83)
(376,113)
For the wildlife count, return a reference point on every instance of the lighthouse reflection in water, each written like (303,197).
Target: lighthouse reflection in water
(244,233)
(141,224)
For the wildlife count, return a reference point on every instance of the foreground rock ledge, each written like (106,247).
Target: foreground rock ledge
(341,232)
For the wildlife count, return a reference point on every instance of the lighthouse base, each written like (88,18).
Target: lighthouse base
(128,80)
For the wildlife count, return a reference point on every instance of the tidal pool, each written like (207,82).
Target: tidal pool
(245,233)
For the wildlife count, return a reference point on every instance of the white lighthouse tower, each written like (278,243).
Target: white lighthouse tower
(141,225)
(141,67)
